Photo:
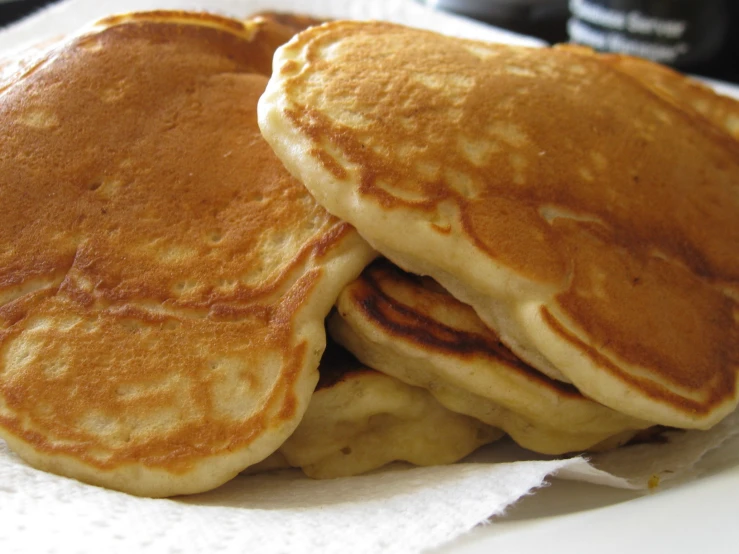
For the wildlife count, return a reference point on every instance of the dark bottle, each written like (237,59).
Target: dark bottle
(12,10)
(545,19)
(692,36)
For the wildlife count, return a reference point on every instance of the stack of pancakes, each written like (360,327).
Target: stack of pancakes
(540,243)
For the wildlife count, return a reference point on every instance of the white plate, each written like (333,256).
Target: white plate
(577,518)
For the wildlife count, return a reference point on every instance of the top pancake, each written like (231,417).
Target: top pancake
(587,220)
(684,92)
(164,280)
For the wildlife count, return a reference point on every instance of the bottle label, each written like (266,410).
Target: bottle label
(673,32)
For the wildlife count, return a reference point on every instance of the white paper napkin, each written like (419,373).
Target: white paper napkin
(398,509)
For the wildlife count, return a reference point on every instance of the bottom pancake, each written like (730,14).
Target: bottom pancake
(414,330)
(360,419)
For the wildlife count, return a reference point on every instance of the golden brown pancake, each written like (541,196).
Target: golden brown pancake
(164,281)
(684,92)
(360,419)
(412,329)
(590,222)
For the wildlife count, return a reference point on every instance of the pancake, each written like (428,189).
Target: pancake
(16,62)
(684,92)
(296,22)
(165,281)
(360,419)
(591,223)
(410,328)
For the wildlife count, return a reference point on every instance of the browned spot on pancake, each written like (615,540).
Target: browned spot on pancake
(713,392)
(443,229)
(413,324)
(608,285)
(528,244)
(330,164)
(199,20)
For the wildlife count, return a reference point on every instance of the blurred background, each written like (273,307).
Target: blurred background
(695,36)
(11,10)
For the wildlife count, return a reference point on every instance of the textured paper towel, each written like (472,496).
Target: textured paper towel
(399,509)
